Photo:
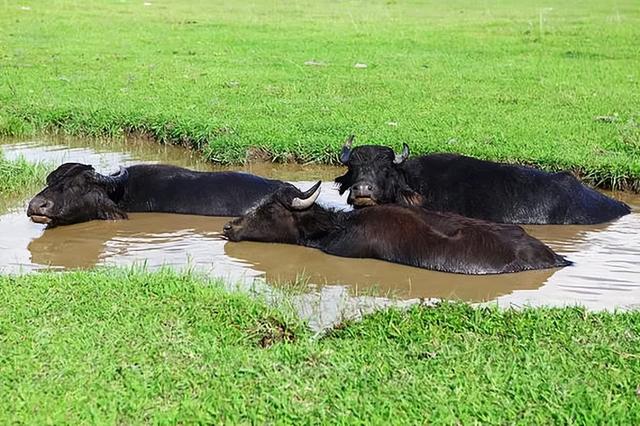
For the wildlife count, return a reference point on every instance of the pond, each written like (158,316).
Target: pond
(606,274)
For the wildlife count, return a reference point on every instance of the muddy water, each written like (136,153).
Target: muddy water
(606,274)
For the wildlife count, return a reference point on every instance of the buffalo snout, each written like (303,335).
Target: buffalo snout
(362,194)
(230,231)
(40,209)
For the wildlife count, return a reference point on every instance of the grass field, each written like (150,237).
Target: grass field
(554,84)
(551,84)
(19,177)
(125,347)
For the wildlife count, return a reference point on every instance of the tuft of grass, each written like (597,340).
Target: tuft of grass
(123,346)
(501,80)
(20,177)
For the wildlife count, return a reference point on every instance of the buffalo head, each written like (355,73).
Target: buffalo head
(76,193)
(275,218)
(375,176)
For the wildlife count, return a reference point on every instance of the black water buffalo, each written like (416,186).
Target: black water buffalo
(475,188)
(77,193)
(402,234)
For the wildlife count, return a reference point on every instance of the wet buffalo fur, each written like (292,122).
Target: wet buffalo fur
(407,235)
(76,193)
(474,188)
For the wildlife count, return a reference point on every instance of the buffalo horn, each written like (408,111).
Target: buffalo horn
(401,157)
(114,180)
(308,198)
(346,150)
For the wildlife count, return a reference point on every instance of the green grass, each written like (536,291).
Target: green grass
(117,346)
(19,177)
(551,84)
(555,84)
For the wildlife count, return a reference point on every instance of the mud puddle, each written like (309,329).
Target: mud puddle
(606,274)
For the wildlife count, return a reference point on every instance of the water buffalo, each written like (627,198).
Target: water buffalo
(475,188)
(402,234)
(77,193)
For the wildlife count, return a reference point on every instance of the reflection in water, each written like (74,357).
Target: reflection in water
(107,155)
(159,239)
(604,261)
(156,238)
(563,238)
(383,277)
(606,273)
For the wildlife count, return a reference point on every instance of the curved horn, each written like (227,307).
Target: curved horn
(346,150)
(401,157)
(308,198)
(114,180)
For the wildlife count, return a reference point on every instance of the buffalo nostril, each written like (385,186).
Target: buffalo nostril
(362,190)
(226,227)
(39,206)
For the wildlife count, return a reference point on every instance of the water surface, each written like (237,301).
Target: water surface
(606,273)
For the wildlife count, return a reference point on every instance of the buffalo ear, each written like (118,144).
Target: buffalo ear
(400,158)
(343,182)
(410,198)
(346,150)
